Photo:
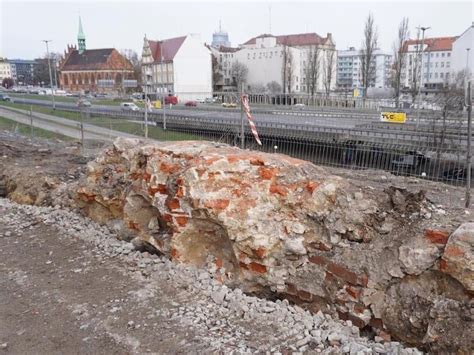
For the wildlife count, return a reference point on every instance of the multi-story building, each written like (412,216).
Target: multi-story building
(93,70)
(349,69)
(181,66)
(5,69)
(265,57)
(437,53)
(462,56)
(22,71)
(220,38)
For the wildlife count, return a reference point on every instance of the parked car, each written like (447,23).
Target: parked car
(129,106)
(411,160)
(191,103)
(299,106)
(229,105)
(456,174)
(4,97)
(171,100)
(83,103)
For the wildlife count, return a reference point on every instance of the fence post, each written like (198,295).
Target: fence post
(31,120)
(468,155)
(242,136)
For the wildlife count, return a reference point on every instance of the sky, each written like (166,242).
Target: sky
(123,24)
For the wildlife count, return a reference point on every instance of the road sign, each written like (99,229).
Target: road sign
(394,117)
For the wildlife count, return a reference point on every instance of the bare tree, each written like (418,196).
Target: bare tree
(328,70)
(313,69)
(273,87)
(216,74)
(257,88)
(134,59)
(399,57)
(287,69)
(239,74)
(369,44)
(415,62)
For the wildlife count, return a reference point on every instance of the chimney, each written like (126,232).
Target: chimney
(329,36)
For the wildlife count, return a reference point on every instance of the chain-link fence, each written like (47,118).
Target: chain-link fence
(429,145)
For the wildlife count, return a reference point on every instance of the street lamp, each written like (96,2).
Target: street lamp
(46,41)
(423,29)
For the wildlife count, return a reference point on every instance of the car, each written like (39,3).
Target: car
(229,105)
(410,160)
(171,100)
(4,97)
(299,106)
(129,106)
(456,174)
(83,103)
(191,104)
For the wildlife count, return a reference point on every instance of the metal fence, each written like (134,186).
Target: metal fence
(428,147)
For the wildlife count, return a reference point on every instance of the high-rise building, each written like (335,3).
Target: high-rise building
(220,38)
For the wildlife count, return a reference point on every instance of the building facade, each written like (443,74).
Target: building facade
(462,57)
(349,69)
(5,69)
(220,38)
(266,56)
(93,70)
(437,56)
(22,71)
(181,66)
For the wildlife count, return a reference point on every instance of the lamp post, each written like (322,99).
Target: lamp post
(46,41)
(423,29)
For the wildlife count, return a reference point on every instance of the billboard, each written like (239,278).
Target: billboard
(393,117)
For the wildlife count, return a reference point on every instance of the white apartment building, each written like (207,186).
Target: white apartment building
(349,69)
(437,56)
(461,58)
(181,66)
(264,57)
(5,70)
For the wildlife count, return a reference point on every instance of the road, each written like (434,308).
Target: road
(63,126)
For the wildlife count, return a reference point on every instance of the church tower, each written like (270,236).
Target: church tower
(81,38)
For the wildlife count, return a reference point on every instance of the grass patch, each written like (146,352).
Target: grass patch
(121,125)
(25,130)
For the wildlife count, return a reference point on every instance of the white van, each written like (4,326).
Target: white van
(129,106)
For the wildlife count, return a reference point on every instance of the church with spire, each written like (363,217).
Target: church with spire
(101,70)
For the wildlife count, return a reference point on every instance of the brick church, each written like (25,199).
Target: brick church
(93,70)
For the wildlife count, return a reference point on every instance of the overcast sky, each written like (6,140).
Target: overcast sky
(122,24)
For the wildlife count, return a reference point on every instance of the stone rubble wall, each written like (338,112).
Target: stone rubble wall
(274,225)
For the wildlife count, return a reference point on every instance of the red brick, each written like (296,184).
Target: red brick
(219,263)
(355,320)
(180,192)
(260,252)
(354,292)
(257,161)
(278,189)
(312,185)
(133,225)
(318,260)
(243,265)
(443,265)
(347,275)
(437,236)
(172,204)
(169,168)
(267,173)
(320,246)
(181,220)
(174,253)
(358,308)
(385,336)
(146,176)
(305,295)
(218,204)
(256,267)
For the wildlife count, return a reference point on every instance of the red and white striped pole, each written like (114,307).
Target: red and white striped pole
(246,108)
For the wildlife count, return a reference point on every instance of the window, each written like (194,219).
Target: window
(296,87)
(447,75)
(449,54)
(442,64)
(436,75)
(448,64)
(432,55)
(436,65)
(437,55)
(442,55)
(441,75)
(431,75)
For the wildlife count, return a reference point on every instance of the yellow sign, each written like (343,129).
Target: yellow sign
(156,104)
(355,93)
(395,117)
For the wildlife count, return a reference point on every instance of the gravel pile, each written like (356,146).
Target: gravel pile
(226,319)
